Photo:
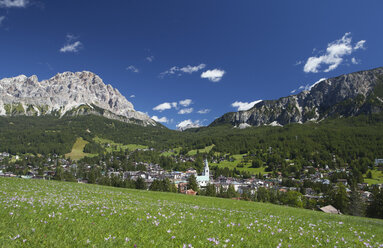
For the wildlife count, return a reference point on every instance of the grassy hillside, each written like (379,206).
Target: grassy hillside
(55,214)
(204,150)
(111,146)
(239,164)
(78,150)
(377,177)
(338,142)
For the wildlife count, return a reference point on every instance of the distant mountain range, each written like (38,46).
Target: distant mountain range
(347,95)
(67,94)
(83,93)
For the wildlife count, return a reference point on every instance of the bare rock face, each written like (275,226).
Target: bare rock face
(346,95)
(67,93)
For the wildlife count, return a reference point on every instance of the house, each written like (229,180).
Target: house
(330,210)
(191,171)
(309,191)
(182,187)
(343,181)
(177,174)
(284,190)
(190,192)
(378,161)
(5,154)
(80,180)
(366,195)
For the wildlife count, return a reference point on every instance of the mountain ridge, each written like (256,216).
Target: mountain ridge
(67,93)
(346,95)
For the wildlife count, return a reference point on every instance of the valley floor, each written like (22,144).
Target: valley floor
(40,213)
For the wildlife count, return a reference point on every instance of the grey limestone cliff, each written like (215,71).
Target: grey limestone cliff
(347,95)
(67,93)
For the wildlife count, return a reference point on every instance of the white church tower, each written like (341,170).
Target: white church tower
(206,170)
(204,179)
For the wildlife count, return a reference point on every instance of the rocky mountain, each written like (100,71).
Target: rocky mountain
(67,93)
(343,96)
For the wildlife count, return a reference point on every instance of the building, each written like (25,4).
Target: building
(204,179)
(330,210)
(378,161)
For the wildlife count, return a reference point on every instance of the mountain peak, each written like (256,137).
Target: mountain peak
(346,95)
(65,93)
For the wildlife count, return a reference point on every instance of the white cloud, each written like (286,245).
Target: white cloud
(132,96)
(190,69)
(334,54)
(163,106)
(132,68)
(185,102)
(73,48)
(150,58)
(183,125)
(72,44)
(360,45)
(71,37)
(354,61)
(244,105)
(213,75)
(170,105)
(203,111)
(1,19)
(172,70)
(185,111)
(162,119)
(13,3)
(186,69)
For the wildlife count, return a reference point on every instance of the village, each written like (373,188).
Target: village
(309,184)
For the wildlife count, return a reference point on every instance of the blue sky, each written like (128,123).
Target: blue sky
(192,60)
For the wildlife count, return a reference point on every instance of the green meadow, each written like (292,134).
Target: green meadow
(78,150)
(377,177)
(239,164)
(111,146)
(38,213)
(204,150)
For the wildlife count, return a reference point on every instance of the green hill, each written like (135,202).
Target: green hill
(38,213)
(338,142)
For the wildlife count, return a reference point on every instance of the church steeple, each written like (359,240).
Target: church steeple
(206,169)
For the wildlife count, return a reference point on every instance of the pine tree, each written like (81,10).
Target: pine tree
(231,193)
(339,198)
(375,209)
(262,195)
(140,183)
(59,174)
(369,175)
(356,206)
(192,183)
(210,190)
(155,186)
